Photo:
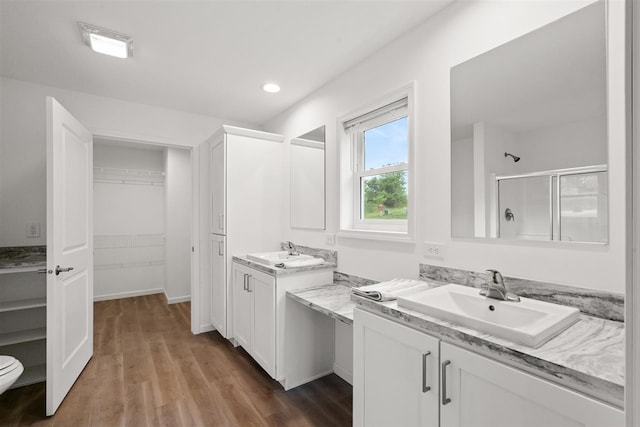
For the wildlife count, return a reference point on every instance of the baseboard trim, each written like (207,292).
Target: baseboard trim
(287,385)
(207,327)
(343,373)
(120,295)
(177,299)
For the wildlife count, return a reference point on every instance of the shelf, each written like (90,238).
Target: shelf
(23,304)
(23,336)
(22,269)
(32,375)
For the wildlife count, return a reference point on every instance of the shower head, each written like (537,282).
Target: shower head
(515,158)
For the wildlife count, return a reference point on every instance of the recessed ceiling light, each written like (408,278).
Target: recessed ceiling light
(271,87)
(106,41)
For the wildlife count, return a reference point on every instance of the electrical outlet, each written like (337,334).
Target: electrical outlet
(433,250)
(330,239)
(33,229)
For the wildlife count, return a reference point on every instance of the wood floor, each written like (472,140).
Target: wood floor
(149,370)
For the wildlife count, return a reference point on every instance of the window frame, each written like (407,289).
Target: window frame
(351,154)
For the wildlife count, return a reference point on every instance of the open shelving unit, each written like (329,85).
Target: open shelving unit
(23,301)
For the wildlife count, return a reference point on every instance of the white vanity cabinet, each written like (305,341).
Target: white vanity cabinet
(395,374)
(262,328)
(390,372)
(484,392)
(254,312)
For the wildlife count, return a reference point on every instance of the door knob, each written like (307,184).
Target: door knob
(62,270)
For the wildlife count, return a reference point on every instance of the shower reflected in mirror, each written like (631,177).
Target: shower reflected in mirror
(529,135)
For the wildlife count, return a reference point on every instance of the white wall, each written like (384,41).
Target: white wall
(462,180)
(178,225)
(425,55)
(22,143)
(558,147)
(128,224)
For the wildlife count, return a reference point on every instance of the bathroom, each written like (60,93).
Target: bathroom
(455,34)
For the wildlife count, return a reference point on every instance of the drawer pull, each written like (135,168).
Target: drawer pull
(445,399)
(425,387)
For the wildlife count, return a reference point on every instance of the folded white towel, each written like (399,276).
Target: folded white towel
(300,263)
(389,291)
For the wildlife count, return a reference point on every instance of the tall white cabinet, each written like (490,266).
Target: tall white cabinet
(245,208)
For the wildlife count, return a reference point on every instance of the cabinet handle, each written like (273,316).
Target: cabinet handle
(244,284)
(221,221)
(249,283)
(220,248)
(425,387)
(445,399)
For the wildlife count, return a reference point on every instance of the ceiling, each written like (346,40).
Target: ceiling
(204,57)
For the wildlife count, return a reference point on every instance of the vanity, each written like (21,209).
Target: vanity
(271,329)
(414,369)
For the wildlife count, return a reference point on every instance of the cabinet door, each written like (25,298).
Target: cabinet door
(395,377)
(218,186)
(242,306)
(487,393)
(218,284)
(262,287)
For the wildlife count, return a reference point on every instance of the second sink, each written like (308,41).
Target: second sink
(273,258)
(528,322)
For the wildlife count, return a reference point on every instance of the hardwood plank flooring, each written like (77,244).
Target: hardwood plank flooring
(149,370)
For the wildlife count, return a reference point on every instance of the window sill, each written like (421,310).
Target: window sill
(384,236)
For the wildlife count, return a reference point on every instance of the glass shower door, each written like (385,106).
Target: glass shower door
(583,205)
(524,208)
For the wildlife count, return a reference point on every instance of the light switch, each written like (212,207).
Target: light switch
(33,229)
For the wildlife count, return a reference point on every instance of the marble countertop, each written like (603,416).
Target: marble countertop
(276,271)
(587,357)
(22,258)
(334,300)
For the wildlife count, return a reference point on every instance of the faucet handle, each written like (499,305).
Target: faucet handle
(496,277)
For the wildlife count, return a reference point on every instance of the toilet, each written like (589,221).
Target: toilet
(10,371)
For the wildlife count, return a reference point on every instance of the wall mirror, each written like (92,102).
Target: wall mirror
(529,135)
(308,180)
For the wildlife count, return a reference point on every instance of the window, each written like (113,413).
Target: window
(378,144)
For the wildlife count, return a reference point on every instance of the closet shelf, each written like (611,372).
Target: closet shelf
(129,265)
(23,336)
(128,176)
(22,304)
(32,375)
(121,241)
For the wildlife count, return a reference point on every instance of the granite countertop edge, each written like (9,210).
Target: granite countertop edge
(276,271)
(22,258)
(343,313)
(603,387)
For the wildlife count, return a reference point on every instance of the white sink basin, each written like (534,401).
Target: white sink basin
(528,322)
(273,258)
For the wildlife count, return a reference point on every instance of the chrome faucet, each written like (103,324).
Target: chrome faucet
(497,289)
(293,251)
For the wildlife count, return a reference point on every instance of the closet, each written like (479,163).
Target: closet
(140,218)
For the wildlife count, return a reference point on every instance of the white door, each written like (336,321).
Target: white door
(263,288)
(218,284)
(480,392)
(69,251)
(242,306)
(218,186)
(395,374)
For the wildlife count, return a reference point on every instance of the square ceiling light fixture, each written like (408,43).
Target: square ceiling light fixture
(106,41)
